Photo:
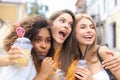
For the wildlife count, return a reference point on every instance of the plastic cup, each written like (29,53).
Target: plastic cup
(26,46)
(81,63)
(58,75)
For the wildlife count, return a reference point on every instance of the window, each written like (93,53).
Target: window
(114,34)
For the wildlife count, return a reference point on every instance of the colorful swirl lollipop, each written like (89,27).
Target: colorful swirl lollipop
(20,31)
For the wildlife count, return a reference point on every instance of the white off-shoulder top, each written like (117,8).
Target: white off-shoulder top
(101,75)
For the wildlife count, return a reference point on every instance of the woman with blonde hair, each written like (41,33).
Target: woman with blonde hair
(86,37)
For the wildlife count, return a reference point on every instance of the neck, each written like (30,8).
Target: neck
(83,49)
(56,45)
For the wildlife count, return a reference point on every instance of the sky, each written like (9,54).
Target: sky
(55,5)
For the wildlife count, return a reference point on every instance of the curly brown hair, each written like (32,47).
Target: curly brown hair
(26,24)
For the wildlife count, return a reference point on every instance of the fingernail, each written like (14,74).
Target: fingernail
(103,65)
(106,67)
(102,62)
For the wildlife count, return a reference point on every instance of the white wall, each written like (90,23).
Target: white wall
(3,32)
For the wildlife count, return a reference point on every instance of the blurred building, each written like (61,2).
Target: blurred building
(80,6)
(37,7)
(106,13)
(12,10)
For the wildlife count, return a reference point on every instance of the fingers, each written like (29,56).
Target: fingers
(79,77)
(115,68)
(14,54)
(49,61)
(47,66)
(112,63)
(111,60)
(14,50)
(82,73)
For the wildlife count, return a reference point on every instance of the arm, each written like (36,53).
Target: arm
(114,62)
(110,60)
(4,60)
(47,67)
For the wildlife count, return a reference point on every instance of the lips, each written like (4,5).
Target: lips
(63,33)
(88,37)
(42,53)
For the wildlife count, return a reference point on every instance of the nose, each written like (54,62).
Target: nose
(66,25)
(43,45)
(89,29)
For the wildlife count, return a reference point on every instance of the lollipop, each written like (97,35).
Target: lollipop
(20,31)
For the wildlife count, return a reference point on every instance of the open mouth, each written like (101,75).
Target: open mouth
(63,33)
(42,53)
(88,37)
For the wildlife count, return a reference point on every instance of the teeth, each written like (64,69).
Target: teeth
(88,37)
(63,33)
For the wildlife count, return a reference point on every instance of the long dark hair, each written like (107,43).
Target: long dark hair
(65,58)
(69,53)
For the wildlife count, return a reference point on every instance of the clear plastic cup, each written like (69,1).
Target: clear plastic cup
(26,46)
(58,75)
(82,63)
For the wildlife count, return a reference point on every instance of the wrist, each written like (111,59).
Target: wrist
(7,60)
(4,60)
(40,76)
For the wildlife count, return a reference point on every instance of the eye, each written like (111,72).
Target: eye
(37,39)
(92,26)
(82,26)
(48,40)
(62,20)
(70,24)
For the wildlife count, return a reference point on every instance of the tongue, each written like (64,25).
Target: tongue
(61,35)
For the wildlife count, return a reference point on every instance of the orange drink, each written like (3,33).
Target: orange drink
(25,59)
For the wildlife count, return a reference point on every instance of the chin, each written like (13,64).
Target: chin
(89,43)
(61,42)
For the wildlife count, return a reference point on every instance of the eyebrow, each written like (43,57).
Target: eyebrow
(66,19)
